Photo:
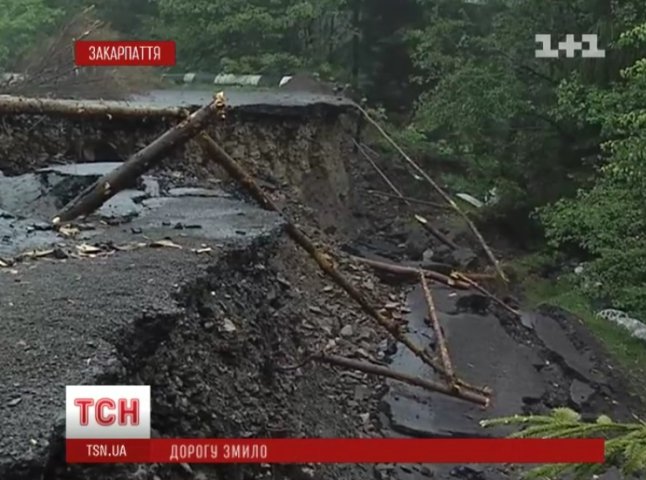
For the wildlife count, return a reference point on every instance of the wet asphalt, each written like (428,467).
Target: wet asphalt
(63,319)
(239,98)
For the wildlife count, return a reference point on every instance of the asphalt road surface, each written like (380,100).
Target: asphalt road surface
(239,98)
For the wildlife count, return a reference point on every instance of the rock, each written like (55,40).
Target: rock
(315,309)
(347,331)
(580,392)
(60,254)
(416,244)
(467,473)
(229,326)
(426,472)
(442,254)
(151,186)
(528,319)
(427,256)
(361,392)
(464,257)
(122,206)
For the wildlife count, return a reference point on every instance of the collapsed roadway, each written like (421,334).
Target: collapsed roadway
(181,283)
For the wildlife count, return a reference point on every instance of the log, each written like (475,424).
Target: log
(217,153)
(107,186)
(412,272)
(437,328)
(402,377)
(435,232)
(16,105)
(380,371)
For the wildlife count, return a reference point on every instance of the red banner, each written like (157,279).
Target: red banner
(104,53)
(168,450)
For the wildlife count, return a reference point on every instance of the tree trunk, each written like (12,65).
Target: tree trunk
(15,105)
(108,185)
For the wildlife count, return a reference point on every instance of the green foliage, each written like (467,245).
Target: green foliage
(242,36)
(22,22)
(490,99)
(607,221)
(625,443)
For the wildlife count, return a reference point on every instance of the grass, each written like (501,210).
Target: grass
(628,352)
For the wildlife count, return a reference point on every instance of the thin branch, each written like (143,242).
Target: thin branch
(427,226)
(408,199)
(378,170)
(436,233)
(439,190)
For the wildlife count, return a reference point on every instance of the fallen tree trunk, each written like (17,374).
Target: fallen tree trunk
(412,272)
(15,105)
(214,151)
(107,186)
(435,232)
(437,328)
(402,377)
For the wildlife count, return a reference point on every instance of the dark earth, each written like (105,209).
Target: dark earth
(183,284)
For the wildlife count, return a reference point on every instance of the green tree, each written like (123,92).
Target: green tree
(242,36)
(490,102)
(22,23)
(607,221)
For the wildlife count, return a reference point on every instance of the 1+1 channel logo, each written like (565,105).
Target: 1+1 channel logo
(588,46)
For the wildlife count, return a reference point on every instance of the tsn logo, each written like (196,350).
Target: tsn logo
(107,411)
